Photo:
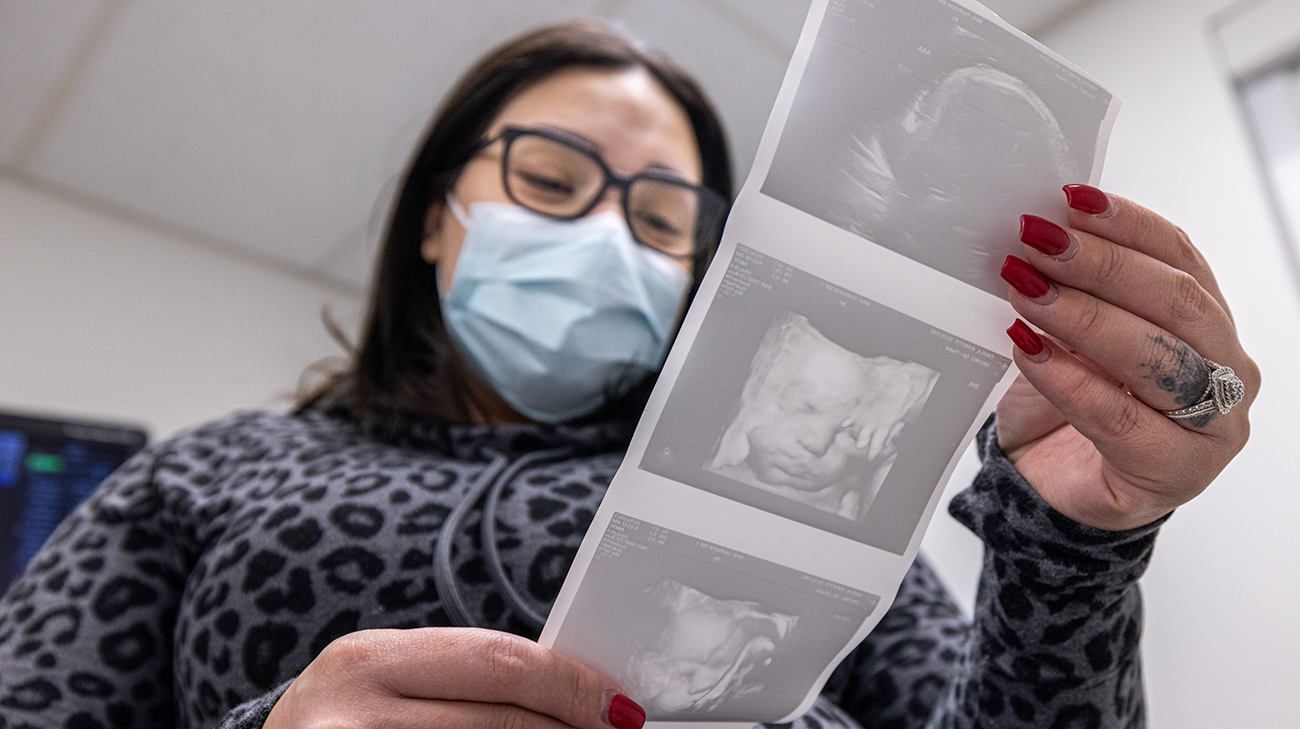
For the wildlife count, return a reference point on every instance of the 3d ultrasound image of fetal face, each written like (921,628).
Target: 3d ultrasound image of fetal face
(706,654)
(818,423)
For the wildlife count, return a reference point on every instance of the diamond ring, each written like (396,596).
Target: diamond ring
(1223,392)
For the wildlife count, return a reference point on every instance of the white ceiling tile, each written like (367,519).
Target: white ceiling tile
(1031,15)
(281,126)
(352,262)
(273,126)
(777,20)
(38,42)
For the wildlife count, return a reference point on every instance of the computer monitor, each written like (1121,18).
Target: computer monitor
(47,466)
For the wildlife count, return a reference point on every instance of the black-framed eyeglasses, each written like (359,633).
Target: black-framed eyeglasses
(562,177)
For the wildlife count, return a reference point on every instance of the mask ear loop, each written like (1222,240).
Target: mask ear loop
(457,210)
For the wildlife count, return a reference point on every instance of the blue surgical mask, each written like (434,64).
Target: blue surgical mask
(552,313)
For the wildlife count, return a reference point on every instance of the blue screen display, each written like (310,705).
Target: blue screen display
(47,467)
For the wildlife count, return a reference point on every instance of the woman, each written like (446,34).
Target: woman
(240,574)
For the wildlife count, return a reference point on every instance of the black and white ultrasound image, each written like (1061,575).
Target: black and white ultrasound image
(944,138)
(812,402)
(698,632)
(818,423)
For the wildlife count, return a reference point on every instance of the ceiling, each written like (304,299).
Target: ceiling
(276,129)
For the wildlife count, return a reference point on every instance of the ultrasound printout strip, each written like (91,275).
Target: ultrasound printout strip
(842,351)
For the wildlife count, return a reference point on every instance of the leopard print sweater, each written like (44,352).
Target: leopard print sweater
(199,579)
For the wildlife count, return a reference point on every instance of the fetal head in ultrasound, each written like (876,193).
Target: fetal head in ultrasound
(916,186)
(705,655)
(818,423)
(696,631)
(807,399)
(949,132)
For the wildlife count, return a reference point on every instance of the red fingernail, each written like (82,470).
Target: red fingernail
(1044,235)
(1088,199)
(1027,280)
(624,713)
(1027,341)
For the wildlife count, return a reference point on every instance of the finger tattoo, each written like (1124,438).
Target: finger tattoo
(1177,369)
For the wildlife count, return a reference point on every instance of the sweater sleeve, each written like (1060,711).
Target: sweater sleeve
(1058,612)
(1054,641)
(252,714)
(87,631)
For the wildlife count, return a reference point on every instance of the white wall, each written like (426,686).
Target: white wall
(101,318)
(1222,647)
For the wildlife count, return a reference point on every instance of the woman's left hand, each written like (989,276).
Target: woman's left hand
(1131,308)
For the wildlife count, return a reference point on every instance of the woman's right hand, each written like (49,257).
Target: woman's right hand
(449,677)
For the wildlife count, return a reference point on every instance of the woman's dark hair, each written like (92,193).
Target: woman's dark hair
(405,365)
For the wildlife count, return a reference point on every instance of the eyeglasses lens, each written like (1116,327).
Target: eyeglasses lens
(555,179)
(552,178)
(663,215)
